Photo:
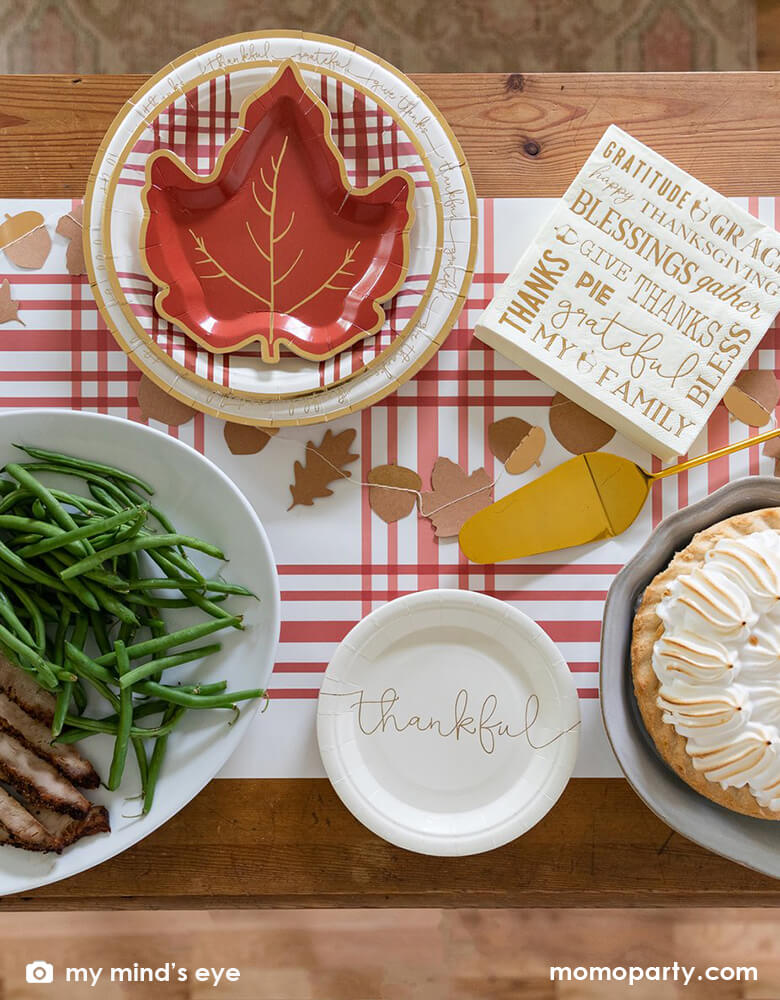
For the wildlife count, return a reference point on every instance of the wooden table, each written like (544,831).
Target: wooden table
(291,843)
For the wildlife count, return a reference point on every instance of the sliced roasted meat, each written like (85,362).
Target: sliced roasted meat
(22,689)
(37,780)
(21,828)
(64,830)
(36,736)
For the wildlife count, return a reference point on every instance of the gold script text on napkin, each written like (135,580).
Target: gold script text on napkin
(535,290)
(379,715)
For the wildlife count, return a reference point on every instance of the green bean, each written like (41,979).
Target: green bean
(59,638)
(107,579)
(60,538)
(76,587)
(38,509)
(164,583)
(159,643)
(11,619)
(111,604)
(61,708)
(50,502)
(100,632)
(29,573)
(222,587)
(143,763)
(197,701)
(11,641)
(125,720)
(158,602)
(155,764)
(112,728)
(31,606)
(213,609)
(105,485)
(6,486)
(141,542)
(165,663)
(86,465)
(85,666)
(79,696)
(171,563)
(73,735)
(80,631)
(15,522)
(102,496)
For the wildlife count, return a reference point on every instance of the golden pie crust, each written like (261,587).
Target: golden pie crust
(648,629)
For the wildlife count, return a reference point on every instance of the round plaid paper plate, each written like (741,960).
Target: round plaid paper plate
(380,121)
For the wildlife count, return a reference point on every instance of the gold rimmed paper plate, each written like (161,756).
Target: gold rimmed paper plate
(445,185)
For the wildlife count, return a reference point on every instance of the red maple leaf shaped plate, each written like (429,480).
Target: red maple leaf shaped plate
(275,245)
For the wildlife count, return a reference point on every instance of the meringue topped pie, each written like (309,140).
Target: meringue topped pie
(706,663)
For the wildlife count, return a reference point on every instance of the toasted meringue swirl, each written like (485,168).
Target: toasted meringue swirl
(718,664)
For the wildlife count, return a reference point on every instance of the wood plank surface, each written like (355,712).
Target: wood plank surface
(522,134)
(291,843)
(247,843)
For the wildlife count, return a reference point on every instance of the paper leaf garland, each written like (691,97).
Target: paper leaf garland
(156,404)
(9,310)
(753,397)
(294,255)
(242,439)
(395,503)
(69,226)
(324,464)
(516,443)
(576,429)
(25,240)
(455,496)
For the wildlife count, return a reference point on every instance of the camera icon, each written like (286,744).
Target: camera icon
(40,972)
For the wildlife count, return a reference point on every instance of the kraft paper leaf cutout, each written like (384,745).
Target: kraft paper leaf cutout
(25,240)
(393,504)
(576,429)
(275,245)
(9,310)
(324,464)
(69,226)
(245,440)
(156,404)
(753,397)
(455,496)
(772,450)
(516,443)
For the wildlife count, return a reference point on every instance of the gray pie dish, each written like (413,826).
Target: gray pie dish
(754,843)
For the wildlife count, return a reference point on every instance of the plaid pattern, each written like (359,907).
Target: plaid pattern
(338,561)
(195,128)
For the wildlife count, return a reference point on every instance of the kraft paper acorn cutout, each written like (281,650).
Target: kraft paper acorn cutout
(393,492)
(275,245)
(25,240)
(753,397)
(242,439)
(516,443)
(576,429)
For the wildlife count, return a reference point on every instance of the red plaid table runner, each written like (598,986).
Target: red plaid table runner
(337,561)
